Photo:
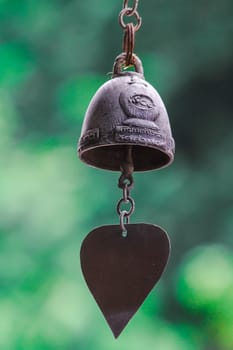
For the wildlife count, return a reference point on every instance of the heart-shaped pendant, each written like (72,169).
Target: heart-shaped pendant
(121,271)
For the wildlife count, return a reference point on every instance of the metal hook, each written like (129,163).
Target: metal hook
(123,215)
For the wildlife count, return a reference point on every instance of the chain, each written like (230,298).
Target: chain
(129,29)
(125,214)
(126,184)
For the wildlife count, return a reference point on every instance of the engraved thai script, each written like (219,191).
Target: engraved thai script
(135,130)
(139,139)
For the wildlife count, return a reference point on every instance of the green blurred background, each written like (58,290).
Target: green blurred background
(53,57)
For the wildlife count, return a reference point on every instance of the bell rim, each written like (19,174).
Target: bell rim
(170,154)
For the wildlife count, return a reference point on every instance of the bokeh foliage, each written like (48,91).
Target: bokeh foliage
(53,56)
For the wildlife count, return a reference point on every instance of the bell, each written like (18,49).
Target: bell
(126,111)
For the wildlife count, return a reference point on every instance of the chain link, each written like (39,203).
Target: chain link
(131,10)
(129,212)
(129,28)
(129,42)
(125,214)
(127,12)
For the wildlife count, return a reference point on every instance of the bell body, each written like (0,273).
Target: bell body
(126,111)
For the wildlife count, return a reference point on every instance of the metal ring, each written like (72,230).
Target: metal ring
(126,180)
(121,60)
(128,12)
(127,213)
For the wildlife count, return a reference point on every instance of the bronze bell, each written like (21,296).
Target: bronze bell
(126,111)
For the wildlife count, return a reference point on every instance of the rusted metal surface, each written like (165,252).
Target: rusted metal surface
(120,272)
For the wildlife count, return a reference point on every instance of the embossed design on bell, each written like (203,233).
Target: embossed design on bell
(141,108)
(127,100)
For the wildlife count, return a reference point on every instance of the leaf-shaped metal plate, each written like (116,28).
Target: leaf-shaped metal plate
(120,272)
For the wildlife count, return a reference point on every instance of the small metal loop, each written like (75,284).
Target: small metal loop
(127,212)
(121,62)
(125,180)
(128,12)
